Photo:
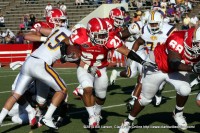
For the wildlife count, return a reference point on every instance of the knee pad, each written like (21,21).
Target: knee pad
(184,90)
(144,101)
(101,94)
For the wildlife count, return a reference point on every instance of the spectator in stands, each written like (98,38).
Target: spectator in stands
(2,22)
(32,20)
(170,10)
(148,3)
(47,9)
(21,25)
(8,38)
(172,2)
(58,4)
(127,19)
(25,20)
(78,3)
(186,22)
(163,3)
(136,16)
(188,5)
(63,8)
(194,21)
(2,37)
(19,38)
(156,5)
(139,4)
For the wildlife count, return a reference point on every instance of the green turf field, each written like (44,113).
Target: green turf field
(150,120)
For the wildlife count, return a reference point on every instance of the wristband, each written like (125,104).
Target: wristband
(43,39)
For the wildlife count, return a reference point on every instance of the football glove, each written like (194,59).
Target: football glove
(196,68)
(147,64)
(94,71)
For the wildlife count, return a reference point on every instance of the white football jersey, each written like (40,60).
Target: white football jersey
(152,40)
(49,51)
(135,30)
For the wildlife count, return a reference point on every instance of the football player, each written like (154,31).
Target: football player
(150,36)
(95,43)
(179,56)
(41,60)
(37,39)
(114,23)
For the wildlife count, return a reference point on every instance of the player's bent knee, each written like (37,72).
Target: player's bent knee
(16,119)
(144,101)
(88,90)
(184,91)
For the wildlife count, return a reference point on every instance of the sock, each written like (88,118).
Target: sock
(97,109)
(90,110)
(117,64)
(121,64)
(3,114)
(130,118)
(118,74)
(50,111)
(178,109)
(80,91)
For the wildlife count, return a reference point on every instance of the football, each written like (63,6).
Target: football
(75,50)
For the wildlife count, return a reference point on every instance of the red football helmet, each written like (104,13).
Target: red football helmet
(98,31)
(56,17)
(192,43)
(116,15)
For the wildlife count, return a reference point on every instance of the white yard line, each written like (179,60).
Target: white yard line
(78,112)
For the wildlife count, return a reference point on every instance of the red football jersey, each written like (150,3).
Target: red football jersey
(94,54)
(174,43)
(111,28)
(38,24)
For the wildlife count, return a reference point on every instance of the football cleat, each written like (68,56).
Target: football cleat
(92,122)
(49,123)
(180,120)
(125,127)
(158,100)
(113,77)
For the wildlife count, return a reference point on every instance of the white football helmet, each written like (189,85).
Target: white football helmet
(192,43)
(155,22)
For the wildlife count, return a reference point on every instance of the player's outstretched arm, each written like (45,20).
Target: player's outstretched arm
(134,56)
(175,64)
(137,43)
(44,31)
(34,37)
